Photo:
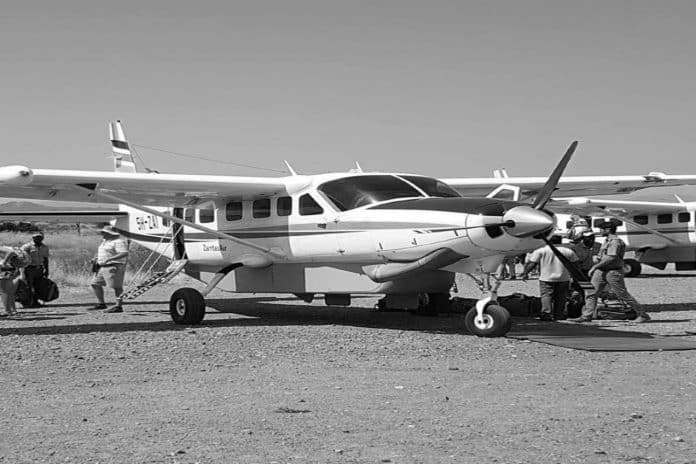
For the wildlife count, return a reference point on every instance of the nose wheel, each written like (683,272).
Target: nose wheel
(487,318)
(492,321)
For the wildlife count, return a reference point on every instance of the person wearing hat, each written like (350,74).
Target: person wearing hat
(111,258)
(37,268)
(608,272)
(584,246)
(554,278)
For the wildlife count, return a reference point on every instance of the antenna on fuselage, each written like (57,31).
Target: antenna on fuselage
(358,168)
(292,171)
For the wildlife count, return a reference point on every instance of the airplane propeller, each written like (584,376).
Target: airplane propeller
(525,221)
(547,190)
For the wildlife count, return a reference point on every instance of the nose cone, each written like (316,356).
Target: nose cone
(525,221)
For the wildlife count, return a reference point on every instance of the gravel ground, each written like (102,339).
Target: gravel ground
(275,380)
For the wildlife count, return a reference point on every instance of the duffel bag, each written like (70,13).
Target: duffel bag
(521,305)
(47,290)
(22,294)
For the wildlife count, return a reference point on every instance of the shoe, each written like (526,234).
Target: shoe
(641,319)
(114,309)
(546,317)
(580,319)
(97,307)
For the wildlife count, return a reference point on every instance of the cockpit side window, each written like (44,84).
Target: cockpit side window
(353,192)
(432,187)
(309,206)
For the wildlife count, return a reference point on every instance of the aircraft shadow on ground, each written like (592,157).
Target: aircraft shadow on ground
(261,311)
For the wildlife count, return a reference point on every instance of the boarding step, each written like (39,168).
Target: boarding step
(155,279)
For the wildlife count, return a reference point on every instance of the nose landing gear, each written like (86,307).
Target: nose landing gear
(487,318)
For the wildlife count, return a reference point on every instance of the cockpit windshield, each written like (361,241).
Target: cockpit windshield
(432,187)
(353,192)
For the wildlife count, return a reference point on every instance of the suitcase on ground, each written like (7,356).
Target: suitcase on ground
(22,294)
(47,290)
(521,305)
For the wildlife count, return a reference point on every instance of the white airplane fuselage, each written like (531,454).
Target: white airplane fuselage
(317,248)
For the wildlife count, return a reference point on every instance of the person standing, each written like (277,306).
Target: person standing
(11,260)
(608,271)
(111,259)
(554,278)
(37,268)
(584,247)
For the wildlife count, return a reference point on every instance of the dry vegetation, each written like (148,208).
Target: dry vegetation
(71,253)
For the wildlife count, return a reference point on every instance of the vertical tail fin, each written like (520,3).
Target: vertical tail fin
(123,159)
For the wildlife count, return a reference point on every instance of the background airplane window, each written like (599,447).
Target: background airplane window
(233,211)
(262,208)
(684,217)
(206,215)
(308,206)
(284,206)
(664,218)
(642,219)
(188,214)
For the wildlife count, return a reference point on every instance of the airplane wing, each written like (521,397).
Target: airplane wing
(600,207)
(570,186)
(142,188)
(55,216)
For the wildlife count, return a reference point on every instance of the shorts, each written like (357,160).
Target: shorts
(110,276)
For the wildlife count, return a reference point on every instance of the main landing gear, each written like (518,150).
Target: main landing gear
(187,305)
(487,318)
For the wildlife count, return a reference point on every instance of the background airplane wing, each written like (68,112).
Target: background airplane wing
(605,207)
(570,186)
(142,188)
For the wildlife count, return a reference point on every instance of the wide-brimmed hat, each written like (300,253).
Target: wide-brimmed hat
(110,231)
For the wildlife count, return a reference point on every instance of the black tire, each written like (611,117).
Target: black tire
(497,321)
(632,268)
(187,306)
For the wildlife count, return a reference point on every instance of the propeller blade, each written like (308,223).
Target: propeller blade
(547,190)
(578,276)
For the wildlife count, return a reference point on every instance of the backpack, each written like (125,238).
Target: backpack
(47,290)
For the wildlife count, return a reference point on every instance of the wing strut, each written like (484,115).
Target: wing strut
(217,233)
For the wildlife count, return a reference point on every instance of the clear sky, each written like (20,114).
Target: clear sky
(440,88)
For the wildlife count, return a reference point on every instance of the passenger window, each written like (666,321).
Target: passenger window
(233,211)
(206,215)
(188,214)
(284,206)
(597,221)
(664,218)
(684,217)
(262,208)
(642,219)
(308,206)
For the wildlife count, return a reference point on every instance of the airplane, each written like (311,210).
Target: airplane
(336,234)
(657,233)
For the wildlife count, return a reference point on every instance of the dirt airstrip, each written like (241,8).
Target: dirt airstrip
(272,379)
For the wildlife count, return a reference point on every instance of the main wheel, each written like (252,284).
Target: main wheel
(632,268)
(187,306)
(496,321)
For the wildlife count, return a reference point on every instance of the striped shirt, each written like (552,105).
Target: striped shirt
(111,247)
